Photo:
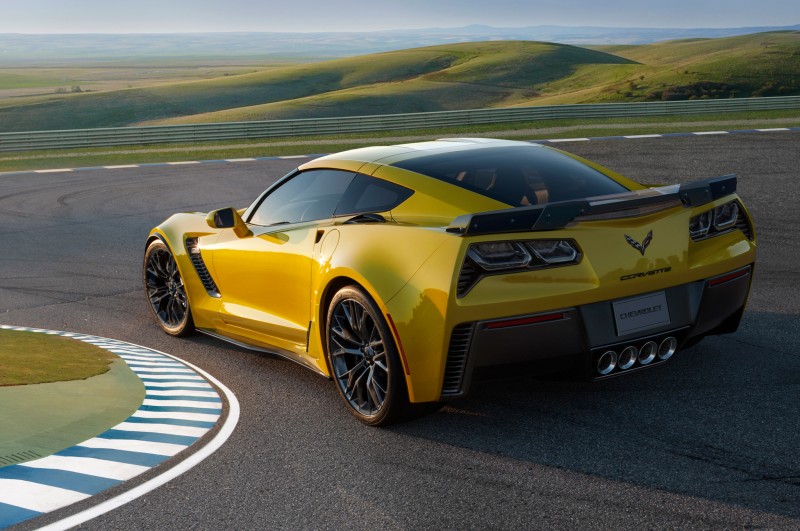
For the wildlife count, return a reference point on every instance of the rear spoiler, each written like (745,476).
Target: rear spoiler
(552,216)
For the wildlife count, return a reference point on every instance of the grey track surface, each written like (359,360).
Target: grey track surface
(709,440)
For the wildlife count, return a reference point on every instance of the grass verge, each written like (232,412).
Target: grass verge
(29,358)
(539,130)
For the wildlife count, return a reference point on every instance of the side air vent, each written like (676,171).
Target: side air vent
(468,277)
(202,271)
(457,359)
(743,224)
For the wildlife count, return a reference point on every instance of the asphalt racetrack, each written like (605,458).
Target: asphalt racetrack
(709,440)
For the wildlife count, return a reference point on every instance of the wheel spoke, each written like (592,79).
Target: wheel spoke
(353,382)
(343,333)
(376,393)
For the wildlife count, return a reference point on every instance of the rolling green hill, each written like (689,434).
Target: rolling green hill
(761,64)
(422,79)
(445,77)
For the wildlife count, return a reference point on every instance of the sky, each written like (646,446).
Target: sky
(177,16)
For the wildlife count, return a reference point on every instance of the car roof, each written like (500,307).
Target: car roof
(392,154)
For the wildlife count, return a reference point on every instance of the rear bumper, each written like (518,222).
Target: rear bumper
(578,336)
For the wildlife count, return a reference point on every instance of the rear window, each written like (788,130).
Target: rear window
(516,175)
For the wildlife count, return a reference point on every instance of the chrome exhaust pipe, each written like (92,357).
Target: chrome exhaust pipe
(627,357)
(606,363)
(648,352)
(667,348)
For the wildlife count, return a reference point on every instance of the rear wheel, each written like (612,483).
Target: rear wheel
(364,360)
(165,290)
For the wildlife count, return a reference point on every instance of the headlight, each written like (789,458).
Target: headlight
(713,222)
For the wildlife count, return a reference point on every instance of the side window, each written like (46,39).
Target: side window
(368,194)
(308,196)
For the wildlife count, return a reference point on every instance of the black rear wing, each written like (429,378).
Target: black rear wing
(552,216)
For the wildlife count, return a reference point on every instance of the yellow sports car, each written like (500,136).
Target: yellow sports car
(401,271)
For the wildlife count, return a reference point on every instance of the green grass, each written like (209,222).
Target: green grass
(445,77)
(762,64)
(433,78)
(74,158)
(30,358)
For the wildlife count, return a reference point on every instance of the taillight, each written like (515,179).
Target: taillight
(719,220)
(487,258)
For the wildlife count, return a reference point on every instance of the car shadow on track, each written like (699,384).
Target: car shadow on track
(720,421)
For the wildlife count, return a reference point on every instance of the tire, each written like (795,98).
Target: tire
(165,290)
(363,359)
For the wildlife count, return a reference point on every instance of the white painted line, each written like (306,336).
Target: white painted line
(186,378)
(37,497)
(202,417)
(288,157)
(121,166)
(119,351)
(61,170)
(182,403)
(89,465)
(193,385)
(130,445)
(240,160)
(167,429)
(190,462)
(556,140)
(158,370)
(643,136)
(145,359)
(183,162)
(136,361)
(711,133)
(773,129)
(181,392)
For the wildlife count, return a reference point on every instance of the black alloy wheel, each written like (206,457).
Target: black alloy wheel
(363,359)
(165,290)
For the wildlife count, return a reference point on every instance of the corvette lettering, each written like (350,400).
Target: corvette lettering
(646,273)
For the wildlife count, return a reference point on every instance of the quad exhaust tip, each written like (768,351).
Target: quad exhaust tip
(648,352)
(667,348)
(606,363)
(631,356)
(628,357)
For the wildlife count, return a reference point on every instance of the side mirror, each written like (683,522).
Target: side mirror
(228,218)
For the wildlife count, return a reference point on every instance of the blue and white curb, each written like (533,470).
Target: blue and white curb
(180,406)
(316,155)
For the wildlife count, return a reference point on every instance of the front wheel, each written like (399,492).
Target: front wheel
(363,359)
(165,290)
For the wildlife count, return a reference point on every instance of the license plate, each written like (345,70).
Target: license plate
(638,314)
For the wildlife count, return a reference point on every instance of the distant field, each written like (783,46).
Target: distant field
(38,81)
(40,84)
(444,77)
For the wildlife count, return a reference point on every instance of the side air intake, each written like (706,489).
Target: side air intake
(457,359)
(202,271)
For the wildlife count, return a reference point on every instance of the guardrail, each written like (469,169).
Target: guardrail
(166,134)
